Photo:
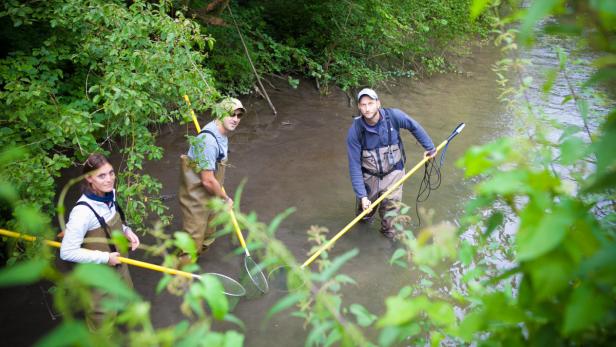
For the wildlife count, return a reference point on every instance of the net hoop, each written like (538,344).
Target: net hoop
(256,276)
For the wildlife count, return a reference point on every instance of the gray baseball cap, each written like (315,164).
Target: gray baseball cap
(367,91)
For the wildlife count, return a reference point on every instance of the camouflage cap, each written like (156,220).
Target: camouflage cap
(231,104)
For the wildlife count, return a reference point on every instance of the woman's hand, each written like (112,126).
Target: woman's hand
(132,238)
(113,258)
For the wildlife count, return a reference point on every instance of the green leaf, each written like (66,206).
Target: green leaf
(30,220)
(505,183)
(399,253)
(335,265)
(344,279)
(441,313)
(389,335)
(185,242)
(535,240)
(120,241)
(606,6)
(271,229)
(537,11)
(69,333)
(285,303)
(233,319)
(362,315)
(215,296)
(26,272)
(605,176)
(549,275)
(162,284)
(572,150)
(550,77)
(472,323)
(233,339)
(401,311)
(585,307)
(11,155)
(105,278)
(604,74)
(495,220)
(466,253)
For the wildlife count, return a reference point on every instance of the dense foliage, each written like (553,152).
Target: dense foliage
(343,43)
(96,74)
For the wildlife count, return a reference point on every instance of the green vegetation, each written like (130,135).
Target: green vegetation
(342,43)
(81,75)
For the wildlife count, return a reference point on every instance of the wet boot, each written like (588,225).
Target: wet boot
(387,208)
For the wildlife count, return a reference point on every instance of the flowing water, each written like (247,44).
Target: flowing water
(298,159)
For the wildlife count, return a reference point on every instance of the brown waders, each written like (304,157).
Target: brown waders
(374,162)
(193,197)
(95,315)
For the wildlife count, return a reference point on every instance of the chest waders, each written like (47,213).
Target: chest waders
(196,217)
(99,239)
(382,166)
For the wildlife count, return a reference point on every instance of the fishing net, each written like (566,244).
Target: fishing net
(231,286)
(253,278)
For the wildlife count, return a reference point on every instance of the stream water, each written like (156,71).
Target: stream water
(298,159)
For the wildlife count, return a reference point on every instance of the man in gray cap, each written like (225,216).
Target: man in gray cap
(376,155)
(203,173)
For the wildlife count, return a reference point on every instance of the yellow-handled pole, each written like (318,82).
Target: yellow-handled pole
(381,198)
(192,113)
(124,260)
(236,226)
(233,218)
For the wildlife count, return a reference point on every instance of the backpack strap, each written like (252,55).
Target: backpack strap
(390,120)
(119,209)
(101,221)
(220,153)
(359,131)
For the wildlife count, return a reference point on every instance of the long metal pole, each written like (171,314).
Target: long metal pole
(124,260)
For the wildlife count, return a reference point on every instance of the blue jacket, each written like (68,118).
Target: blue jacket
(377,136)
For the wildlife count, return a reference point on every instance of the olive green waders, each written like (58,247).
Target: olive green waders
(94,240)
(196,217)
(378,160)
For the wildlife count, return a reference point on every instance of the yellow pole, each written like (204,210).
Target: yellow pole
(236,226)
(128,261)
(372,206)
(192,113)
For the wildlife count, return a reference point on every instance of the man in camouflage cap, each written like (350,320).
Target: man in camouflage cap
(203,172)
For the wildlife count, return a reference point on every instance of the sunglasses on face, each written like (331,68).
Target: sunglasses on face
(238,114)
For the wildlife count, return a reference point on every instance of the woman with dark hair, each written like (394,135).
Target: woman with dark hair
(87,238)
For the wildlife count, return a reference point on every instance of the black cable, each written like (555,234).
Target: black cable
(431,180)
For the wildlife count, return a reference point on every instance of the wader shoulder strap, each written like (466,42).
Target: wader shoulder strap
(220,154)
(122,215)
(102,222)
(396,125)
(360,131)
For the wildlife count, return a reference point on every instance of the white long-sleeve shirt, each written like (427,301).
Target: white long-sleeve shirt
(80,221)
